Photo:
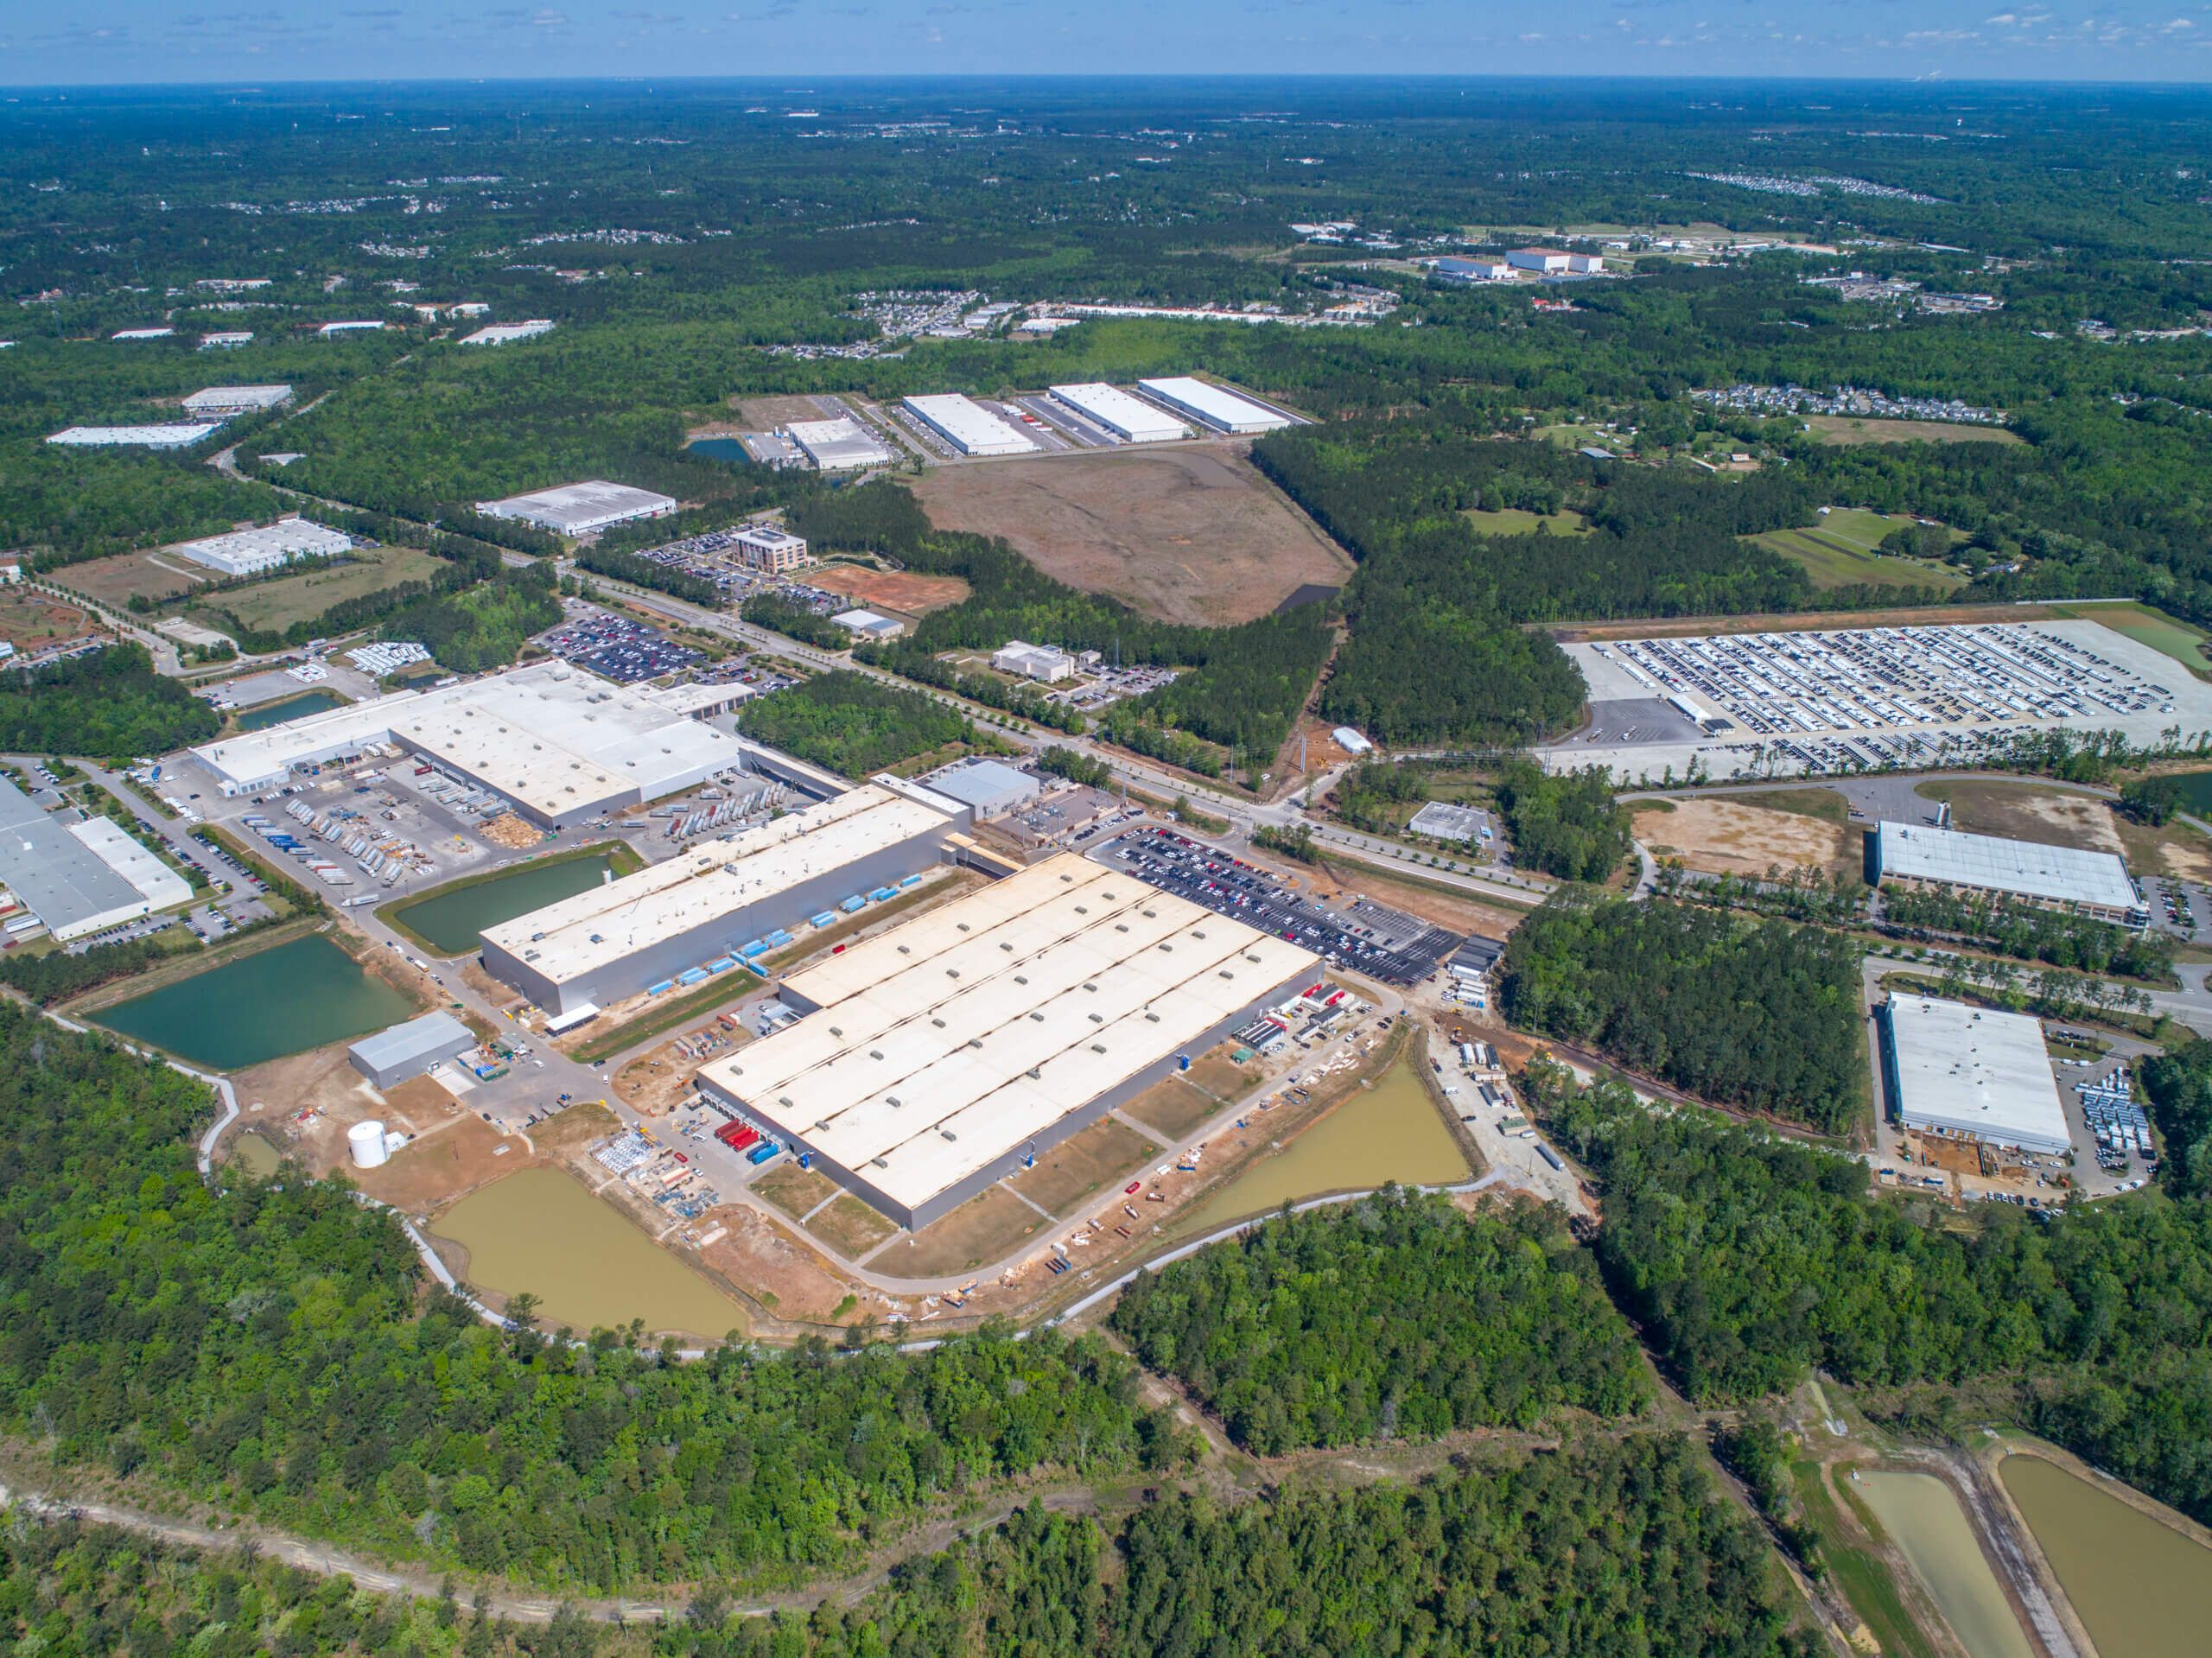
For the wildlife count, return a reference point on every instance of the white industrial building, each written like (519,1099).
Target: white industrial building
(1585,262)
(393,1055)
(968,426)
(988,788)
(226,337)
(2066,877)
(768,550)
(937,1058)
(580,509)
(249,552)
(840,445)
(1455,269)
(332,330)
(77,878)
(867,627)
(1972,1072)
(1128,418)
(1211,405)
(563,745)
(142,334)
(1542,261)
(220,400)
(505,333)
(1039,662)
(701,908)
(172,435)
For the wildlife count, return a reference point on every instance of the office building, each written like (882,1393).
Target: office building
(1039,662)
(937,1058)
(768,550)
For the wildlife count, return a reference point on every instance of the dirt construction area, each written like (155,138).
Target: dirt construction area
(1195,535)
(121,577)
(1726,837)
(900,590)
(31,621)
(2024,811)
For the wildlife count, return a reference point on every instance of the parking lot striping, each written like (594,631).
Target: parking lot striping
(619,649)
(1371,938)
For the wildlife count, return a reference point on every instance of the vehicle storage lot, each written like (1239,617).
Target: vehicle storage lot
(1369,937)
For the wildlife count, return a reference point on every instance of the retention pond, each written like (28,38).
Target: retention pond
(256,1155)
(2143,1589)
(1924,1519)
(542,1232)
(1388,1132)
(288,999)
(261,716)
(453,923)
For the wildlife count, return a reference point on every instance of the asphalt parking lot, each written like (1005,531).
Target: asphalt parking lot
(1386,945)
(616,648)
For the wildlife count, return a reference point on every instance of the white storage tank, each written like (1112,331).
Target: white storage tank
(365,1140)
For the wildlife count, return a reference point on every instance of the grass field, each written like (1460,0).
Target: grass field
(664,1015)
(1851,429)
(1192,535)
(1839,551)
(2187,645)
(1866,1583)
(987,1226)
(274,605)
(850,1227)
(121,577)
(1082,1165)
(1512,521)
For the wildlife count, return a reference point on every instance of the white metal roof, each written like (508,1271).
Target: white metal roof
(287,537)
(1117,411)
(946,1043)
(973,429)
(168,434)
(575,936)
(581,506)
(436,1035)
(2059,873)
(837,445)
(219,399)
(158,884)
(1975,1071)
(1213,405)
(501,333)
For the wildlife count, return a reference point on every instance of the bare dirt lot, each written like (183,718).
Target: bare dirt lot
(900,590)
(2027,812)
(116,579)
(1853,428)
(31,621)
(764,414)
(1727,837)
(768,1263)
(1194,536)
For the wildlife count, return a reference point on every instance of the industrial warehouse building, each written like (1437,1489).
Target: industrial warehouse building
(563,745)
(700,909)
(840,445)
(580,509)
(1457,270)
(1542,261)
(2050,877)
(220,400)
(391,1057)
(249,552)
(505,333)
(968,426)
(1210,405)
(1127,417)
(1972,1072)
(867,627)
(935,1057)
(989,788)
(76,877)
(171,434)
(1039,662)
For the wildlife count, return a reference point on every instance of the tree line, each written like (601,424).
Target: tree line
(854,725)
(108,703)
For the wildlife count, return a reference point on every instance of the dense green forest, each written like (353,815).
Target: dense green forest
(1747,1260)
(1565,823)
(2032,934)
(1394,1317)
(853,724)
(1619,1547)
(2179,1082)
(482,627)
(292,1366)
(109,704)
(1763,1015)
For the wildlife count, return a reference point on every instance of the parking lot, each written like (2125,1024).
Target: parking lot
(1369,939)
(617,648)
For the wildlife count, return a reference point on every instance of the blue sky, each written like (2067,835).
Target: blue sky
(43,42)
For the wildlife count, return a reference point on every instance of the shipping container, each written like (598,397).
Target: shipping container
(762,1152)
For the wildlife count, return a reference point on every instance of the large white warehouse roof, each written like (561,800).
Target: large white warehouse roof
(247,552)
(944,1045)
(1119,413)
(609,923)
(1222,411)
(170,435)
(573,509)
(839,445)
(968,426)
(236,399)
(1972,1071)
(2062,874)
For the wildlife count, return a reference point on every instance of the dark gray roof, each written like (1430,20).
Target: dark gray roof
(60,878)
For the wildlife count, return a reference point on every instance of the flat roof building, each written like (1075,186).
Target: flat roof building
(968,426)
(220,400)
(840,445)
(1210,405)
(1452,269)
(991,788)
(1541,260)
(82,877)
(1041,661)
(223,337)
(769,550)
(249,552)
(1972,1072)
(392,1056)
(332,330)
(142,334)
(2050,877)
(580,509)
(563,745)
(505,333)
(1128,418)
(707,903)
(867,626)
(171,434)
(933,1059)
